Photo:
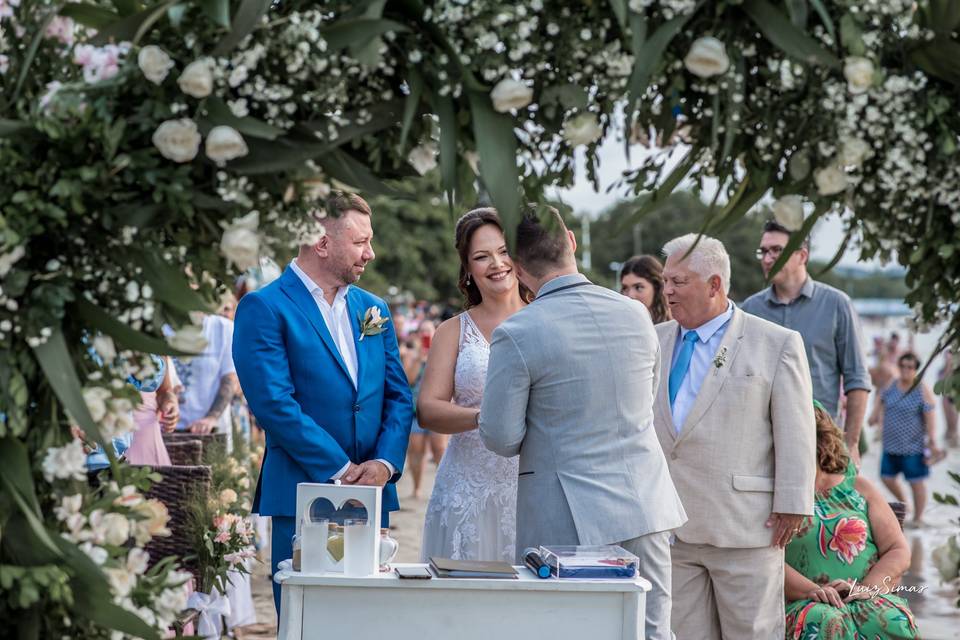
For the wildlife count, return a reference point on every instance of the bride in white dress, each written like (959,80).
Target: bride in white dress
(473,509)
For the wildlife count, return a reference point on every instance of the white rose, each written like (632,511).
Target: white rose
(583,129)
(177,140)
(66,462)
(946,558)
(830,180)
(707,57)
(99,555)
(121,581)
(96,400)
(197,79)
(423,158)
(105,348)
(510,94)
(137,561)
(240,243)
(859,73)
(853,151)
(228,497)
(788,211)
(154,63)
(188,339)
(225,144)
(115,528)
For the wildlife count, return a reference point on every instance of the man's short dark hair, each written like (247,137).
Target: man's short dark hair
(772,226)
(541,240)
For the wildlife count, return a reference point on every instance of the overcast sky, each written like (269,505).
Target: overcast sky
(827,235)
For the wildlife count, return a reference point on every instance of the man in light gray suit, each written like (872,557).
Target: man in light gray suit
(735,417)
(570,387)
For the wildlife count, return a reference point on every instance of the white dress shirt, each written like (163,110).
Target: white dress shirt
(705,349)
(337,319)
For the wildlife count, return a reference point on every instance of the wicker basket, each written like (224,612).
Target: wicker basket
(184,453)
(177,491)
(207,439)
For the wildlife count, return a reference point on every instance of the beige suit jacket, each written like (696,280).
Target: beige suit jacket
(748,447)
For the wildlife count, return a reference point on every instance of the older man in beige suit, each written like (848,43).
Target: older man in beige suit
(734,415)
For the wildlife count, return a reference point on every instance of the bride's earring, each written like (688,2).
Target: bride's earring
(468,279)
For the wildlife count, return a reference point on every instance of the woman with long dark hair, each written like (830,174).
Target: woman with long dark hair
(641,278)
(472,511)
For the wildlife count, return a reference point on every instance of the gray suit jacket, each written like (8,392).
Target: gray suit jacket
(570,387)
(748,446)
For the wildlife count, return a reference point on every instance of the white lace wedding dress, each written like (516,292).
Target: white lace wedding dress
(472,514)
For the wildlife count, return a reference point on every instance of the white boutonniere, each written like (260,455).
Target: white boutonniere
(720,360)
(372,323)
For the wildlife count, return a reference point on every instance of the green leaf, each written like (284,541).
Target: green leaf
(126,7)
(169,283)
(665,188)
(620,10)
(940,58)
(497,146)
(798,11)
(33,519)
(446,112)
(837,256)
(825,18)
(358,32)
(411,105)
(30,55)
(851,36)
(54,358)
(218,113)
(132,28)
(943,16)
(218,11)
(12,127)
(345,168)
(782,33)
(650,55)
(123,334)
(89,15)
(244,22)
(797,238)
(17,479)
(272,156)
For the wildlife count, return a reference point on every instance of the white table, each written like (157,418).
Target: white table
(333,606)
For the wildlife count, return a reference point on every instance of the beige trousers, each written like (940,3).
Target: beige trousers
(729,594)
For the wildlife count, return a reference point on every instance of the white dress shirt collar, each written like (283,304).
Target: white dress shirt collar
(710,327)
(316,290)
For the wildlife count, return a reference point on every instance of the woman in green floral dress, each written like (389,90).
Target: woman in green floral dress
(844,566)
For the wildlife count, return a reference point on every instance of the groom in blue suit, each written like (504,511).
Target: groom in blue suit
(318,362)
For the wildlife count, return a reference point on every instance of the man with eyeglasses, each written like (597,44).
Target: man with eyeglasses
(825,318)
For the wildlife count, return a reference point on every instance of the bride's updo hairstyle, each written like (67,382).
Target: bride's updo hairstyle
(467,225)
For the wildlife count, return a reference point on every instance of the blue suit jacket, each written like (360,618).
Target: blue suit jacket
(298,388)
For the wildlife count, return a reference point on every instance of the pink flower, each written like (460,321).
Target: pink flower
(223,537)
(849,538)
(60,28)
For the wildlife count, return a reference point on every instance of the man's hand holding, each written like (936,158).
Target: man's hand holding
(206,424)
(785,526)
(369,473)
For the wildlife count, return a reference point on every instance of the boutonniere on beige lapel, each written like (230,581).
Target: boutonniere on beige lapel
(372,323)
(719,360)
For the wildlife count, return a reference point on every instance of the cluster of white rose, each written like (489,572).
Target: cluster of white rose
(111,529)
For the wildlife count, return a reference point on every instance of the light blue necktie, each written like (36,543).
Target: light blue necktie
(682,365)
